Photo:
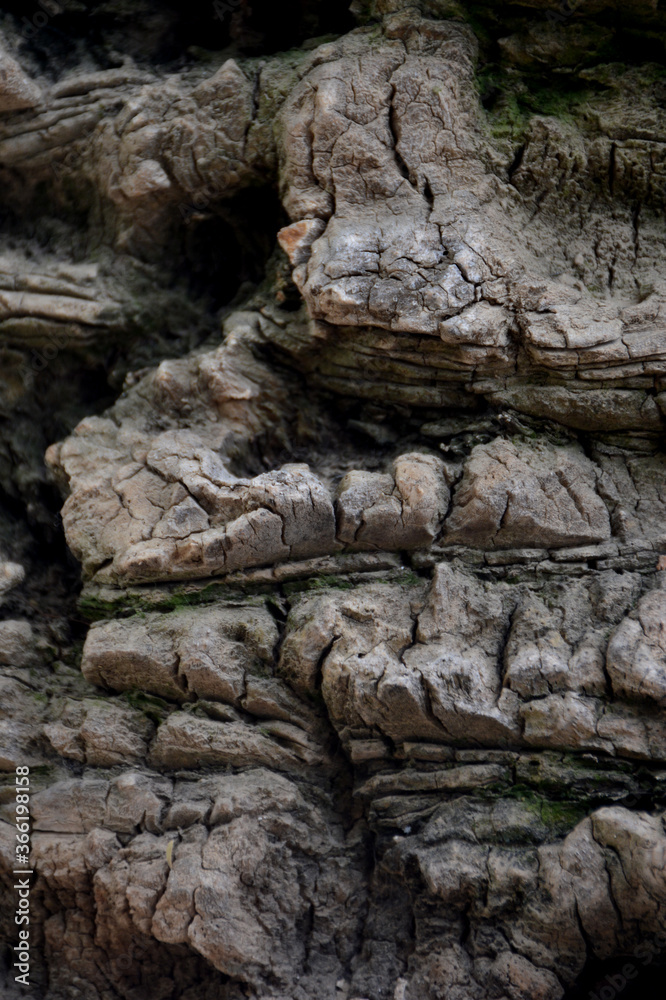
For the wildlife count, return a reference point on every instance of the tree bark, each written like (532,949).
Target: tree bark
(332,516)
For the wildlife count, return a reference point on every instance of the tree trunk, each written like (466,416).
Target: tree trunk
(332,506)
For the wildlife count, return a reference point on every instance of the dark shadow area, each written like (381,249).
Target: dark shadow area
(167,32)
(228,246)
(639,976)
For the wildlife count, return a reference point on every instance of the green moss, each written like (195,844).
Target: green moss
(332,582)
(562,816)
(497,790)
(154,708)
(135,604)
(94,609)
(42,771)
(610,74)
(71,656)
(365,12)
(315,583)
(512,98)
(604,765)
(508,121)
(557,101)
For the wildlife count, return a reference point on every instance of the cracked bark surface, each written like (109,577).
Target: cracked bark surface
(341,370)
